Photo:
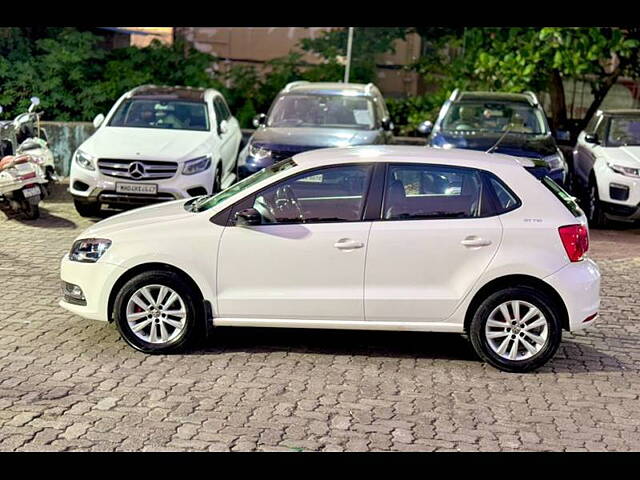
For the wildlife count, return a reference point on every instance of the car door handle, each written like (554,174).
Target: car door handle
(348,244)
(473,241)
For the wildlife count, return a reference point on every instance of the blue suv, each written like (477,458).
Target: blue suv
(478,120)
(310,115)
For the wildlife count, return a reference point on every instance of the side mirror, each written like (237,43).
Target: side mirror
(248,217)
(386,124)
(259,119)
(1,109)
(98,120)
(35,101)
(224,127)
(591,138)
(425,127)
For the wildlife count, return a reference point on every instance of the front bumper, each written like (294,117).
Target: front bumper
(578,284)
(93,186)
(96,281)
(619,194)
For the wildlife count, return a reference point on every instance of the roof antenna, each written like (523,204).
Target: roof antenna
(495,145)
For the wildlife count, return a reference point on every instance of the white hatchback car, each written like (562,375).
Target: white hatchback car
(372,238)
(156,144)
(606,163)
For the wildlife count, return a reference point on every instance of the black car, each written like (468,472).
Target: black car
(515,121)
(306,116)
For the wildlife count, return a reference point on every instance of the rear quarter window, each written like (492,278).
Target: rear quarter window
(567,200)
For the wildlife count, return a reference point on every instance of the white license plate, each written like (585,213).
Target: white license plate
(31,192)
(144,188)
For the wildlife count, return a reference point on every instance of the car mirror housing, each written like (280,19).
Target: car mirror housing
(97,121)
(224,127)
(248,217)
(386,124)
(591,138)
(425,127)
(259,119)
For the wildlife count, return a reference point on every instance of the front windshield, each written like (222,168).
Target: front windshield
(332,111)
(624,131)
(210,201)
(161,113)
(494,116)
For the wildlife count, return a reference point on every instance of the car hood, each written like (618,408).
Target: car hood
(165,213)
(519,145)
(146,143)
(624,156)
(314,137)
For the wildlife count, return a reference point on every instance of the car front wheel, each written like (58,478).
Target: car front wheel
(595,214)
(157,312)
(516,329)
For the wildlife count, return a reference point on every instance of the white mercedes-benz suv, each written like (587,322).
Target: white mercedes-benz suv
(374,238)
(156,144)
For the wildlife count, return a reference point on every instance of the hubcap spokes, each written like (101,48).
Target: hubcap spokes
(516,330)
(156,314)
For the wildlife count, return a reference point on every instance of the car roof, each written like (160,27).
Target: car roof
(409,154)
(496,96)
(620,111)
(174,93)
(330,88)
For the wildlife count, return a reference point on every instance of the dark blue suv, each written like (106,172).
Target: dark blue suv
(310,115)
(478,120)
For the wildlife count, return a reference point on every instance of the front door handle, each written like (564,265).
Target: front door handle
(473,241)
(348,244)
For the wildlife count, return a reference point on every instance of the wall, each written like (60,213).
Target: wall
(64,138)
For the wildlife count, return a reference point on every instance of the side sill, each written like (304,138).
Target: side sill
(342,325)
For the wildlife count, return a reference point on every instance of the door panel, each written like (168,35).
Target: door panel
(420,270)
(293,271)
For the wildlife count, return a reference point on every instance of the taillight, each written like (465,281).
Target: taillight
(27,176)
(575,239)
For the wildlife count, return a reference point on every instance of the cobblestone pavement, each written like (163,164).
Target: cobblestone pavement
(71,384)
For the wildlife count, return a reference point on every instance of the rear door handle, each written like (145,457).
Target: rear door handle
(348,244)
(473,241)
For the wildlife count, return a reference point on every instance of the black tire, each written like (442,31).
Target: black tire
(523,293)
(30,211)
(217,180)
(194,323)
(593,207)
(87,209)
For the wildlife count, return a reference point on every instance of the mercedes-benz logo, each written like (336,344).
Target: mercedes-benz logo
(136,170)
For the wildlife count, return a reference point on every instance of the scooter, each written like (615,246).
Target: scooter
(22,186)
(21,179)
(32,140)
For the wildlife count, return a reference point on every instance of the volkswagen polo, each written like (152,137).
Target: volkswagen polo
(372,238)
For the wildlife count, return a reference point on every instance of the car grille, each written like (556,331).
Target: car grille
(137,169)
(280,152)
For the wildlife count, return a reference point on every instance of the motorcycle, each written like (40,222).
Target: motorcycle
(32,140)
(22,181)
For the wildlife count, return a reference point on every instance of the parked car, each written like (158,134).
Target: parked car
(156,144)
(478,120)
(306,116)
(372,238)
(606,161)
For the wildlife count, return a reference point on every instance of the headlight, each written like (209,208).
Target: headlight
(89,250)
(84,160)
(258,152)
(196,165)
(627,171)
(555,161)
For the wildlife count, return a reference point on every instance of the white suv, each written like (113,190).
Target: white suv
(372,238)
(606,162)
(156,144)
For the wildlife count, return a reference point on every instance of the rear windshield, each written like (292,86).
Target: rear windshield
(567,200)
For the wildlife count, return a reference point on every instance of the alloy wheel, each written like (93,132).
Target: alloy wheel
(156,314)
(516,330)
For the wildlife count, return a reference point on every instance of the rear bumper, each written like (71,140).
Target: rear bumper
(579,286)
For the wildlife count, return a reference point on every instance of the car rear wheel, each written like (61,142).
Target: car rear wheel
(157,312)
(516,329)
